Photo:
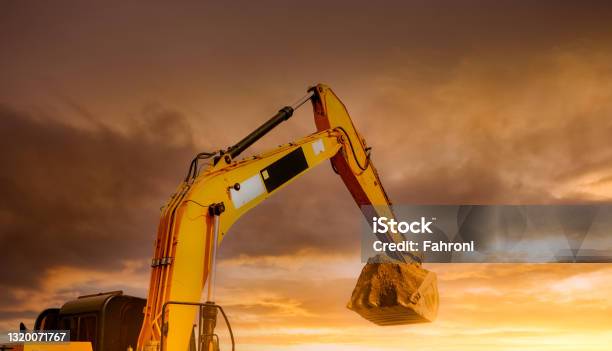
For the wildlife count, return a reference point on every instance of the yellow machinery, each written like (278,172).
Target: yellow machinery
(207,204)
(212,198)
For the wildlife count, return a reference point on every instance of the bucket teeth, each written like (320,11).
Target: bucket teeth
(395,293)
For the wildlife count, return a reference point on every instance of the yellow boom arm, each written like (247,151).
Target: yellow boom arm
(201,212)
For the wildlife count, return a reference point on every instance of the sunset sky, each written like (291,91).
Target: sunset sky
(103,105)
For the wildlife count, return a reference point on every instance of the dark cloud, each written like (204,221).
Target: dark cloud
(86,198)
(18,314)
(534,132)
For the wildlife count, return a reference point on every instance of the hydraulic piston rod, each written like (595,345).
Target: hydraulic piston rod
(283,114)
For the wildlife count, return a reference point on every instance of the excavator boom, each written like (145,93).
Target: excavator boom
(204,207)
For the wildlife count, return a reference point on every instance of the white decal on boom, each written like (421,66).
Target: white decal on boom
(318,147)
(249,190)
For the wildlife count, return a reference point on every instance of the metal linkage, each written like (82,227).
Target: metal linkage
(215,211)
(206,307)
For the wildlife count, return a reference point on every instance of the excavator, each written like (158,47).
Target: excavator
(218,189)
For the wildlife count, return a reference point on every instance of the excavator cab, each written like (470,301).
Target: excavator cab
(109,321)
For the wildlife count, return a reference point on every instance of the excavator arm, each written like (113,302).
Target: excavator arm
(205,206)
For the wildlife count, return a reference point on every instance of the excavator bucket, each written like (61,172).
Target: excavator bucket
(389,293)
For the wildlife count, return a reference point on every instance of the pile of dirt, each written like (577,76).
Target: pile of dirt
(389,293)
